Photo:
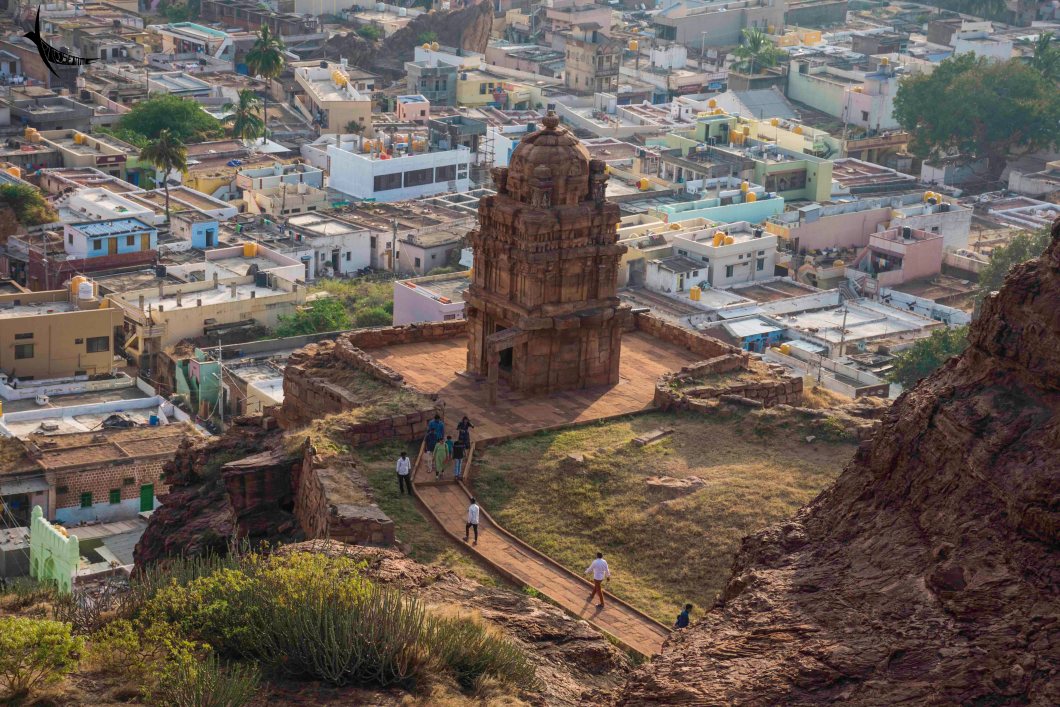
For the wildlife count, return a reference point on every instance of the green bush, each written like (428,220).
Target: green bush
(469,650)
(307,615)
(375,316)
(370,32)
(326,314)
(35,652)
(191,683)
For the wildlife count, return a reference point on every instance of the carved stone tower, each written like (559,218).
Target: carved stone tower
(542,308)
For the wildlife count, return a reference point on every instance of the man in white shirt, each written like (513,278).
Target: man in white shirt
(600,572)
(404,469)
(472,522)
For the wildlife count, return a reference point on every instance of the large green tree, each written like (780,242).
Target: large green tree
(979,108)
(168,154)
(756,51)
(923,357)
(183,118)
(1045,58)
(243,116)
(267,60)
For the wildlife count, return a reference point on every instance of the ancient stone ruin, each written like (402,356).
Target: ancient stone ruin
(542,308)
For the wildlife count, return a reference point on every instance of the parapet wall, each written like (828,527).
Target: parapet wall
(407,334)
(699,344)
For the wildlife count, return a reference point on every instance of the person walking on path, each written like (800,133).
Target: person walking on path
(464,431)
(684,617)
(429,443)
(458,459)
(437,427)
(472,522)
(441,454)
(404,468)
(600,572)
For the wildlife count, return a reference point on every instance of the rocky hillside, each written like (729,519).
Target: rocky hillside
(930,572)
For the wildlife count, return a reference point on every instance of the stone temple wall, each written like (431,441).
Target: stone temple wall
(699,344)
(407,334)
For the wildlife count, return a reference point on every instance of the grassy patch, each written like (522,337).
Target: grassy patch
(664,548)
(424,541)
(360,295)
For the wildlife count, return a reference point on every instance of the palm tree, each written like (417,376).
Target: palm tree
(756,51)
(243,115)
(168,154)
(266,59)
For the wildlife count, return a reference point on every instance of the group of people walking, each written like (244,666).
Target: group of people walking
(439,448)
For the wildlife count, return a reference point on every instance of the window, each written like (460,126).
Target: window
(761,264)
(445,173)
(128,481)
(371,241)
(23,350)
(728,270)
(115,496)
(682,252)
(86,499)
(386,182)
(695,273)
(865,115)
(62,489)
(934,229)
(447,317)
(417,262)
(24,336)
(761,252)
(79,341)
(482,89)
(97,344)
(419,177)
(347,256)
(97,244)
(70,238)
(130,240)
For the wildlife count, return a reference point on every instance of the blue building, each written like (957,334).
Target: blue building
(201,229)
(94,239)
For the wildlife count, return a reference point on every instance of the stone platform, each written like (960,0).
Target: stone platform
(438,367)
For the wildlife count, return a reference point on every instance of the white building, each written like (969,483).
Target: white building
(434,298)
(328,247)
(381,177)
(733,254)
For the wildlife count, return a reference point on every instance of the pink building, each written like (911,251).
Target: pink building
(901,255)
(413,109)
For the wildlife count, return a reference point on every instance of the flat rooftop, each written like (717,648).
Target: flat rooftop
(216,295)
(111,228)
(452,286)
(58,451)
(35,309)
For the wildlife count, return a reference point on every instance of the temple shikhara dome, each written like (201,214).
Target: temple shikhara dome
(543,312)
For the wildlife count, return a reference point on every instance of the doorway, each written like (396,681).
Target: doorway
(147,498)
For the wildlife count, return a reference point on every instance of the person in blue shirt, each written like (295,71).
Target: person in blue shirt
(683,618)
(437,427)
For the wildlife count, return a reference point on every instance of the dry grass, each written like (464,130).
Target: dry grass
(663,551)
(817,397)
(376,398)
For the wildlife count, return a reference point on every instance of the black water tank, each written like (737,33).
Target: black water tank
(160,271)
(261,279)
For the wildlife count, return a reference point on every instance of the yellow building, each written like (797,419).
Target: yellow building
(57,334)
(331,101)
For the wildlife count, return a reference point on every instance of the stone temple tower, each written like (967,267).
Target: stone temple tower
(542,308)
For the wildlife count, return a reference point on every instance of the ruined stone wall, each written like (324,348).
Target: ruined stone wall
(674,392)
(407,334)
(697,343)
(320,491)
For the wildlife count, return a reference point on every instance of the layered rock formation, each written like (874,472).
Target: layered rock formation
(930,572)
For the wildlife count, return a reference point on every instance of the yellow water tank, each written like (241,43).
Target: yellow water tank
(675,227)
(643,184)
(78,138)
(838,264)
(751,197)
(719,238)
(798,130)
(785,349)
(774,122)
(427,46)
(747,131)
(1,408)
(930,195)
(859,89)
(729,240)
(693,294)
(75,282)
(712,104)
(250,250)
(884,61)
(434,46)
(14,171)
(745,186)
(607,169)
(634,45)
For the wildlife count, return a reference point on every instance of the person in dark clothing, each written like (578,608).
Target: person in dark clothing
(684,617)
(464,431)
(459,449)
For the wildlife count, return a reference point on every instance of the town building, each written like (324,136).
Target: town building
(714,257)
(117,236)
(330,100)
(413,108)
(192,225)
(593,61)
(900,255)
(57,334)
(433,298)
(714,23)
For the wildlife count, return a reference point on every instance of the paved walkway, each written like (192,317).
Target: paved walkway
(437,367)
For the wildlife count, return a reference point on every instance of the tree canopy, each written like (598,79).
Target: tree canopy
(325,314)
(243,116)
(1046,56)
(756,51)
(923,357)
(29,205)
(183,118)
(979,108)
(168,154)
(1021,248)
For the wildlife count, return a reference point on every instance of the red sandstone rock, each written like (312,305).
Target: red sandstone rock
(930,572)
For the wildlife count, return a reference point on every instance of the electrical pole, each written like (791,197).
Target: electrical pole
(843,333)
